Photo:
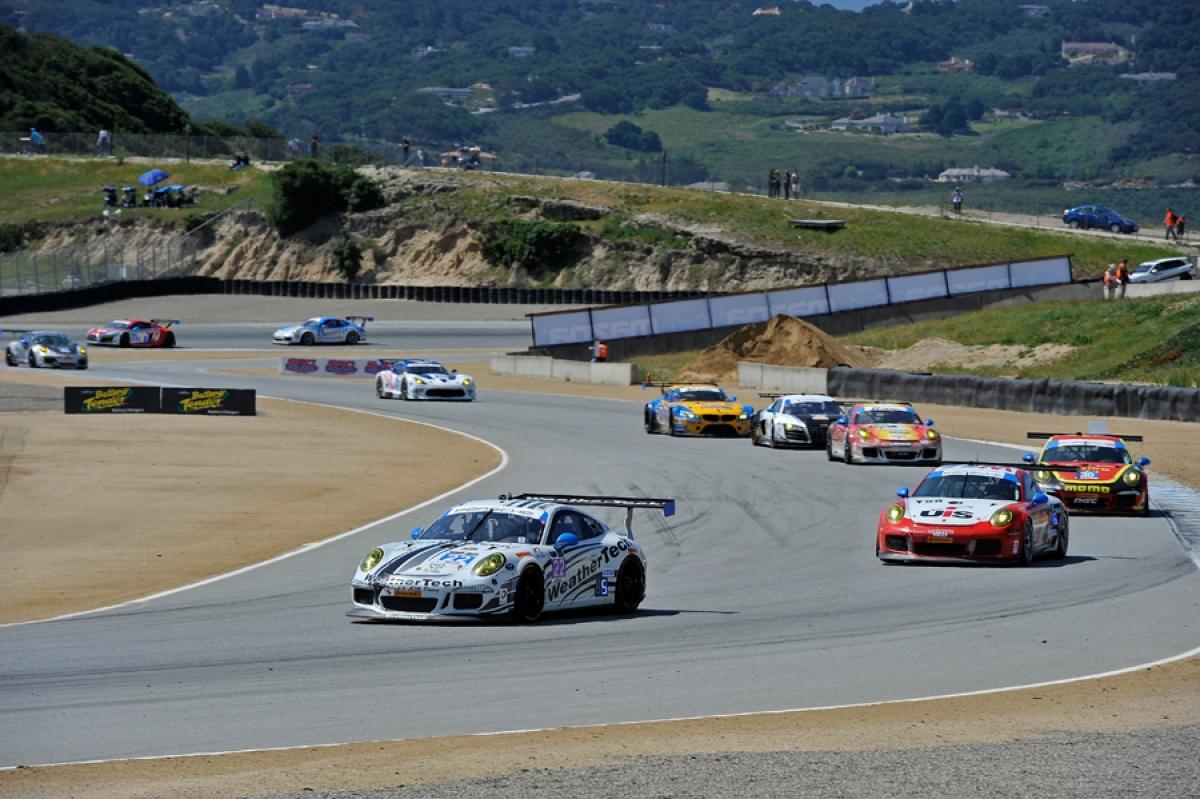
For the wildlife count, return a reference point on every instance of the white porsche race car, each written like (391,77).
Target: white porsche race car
(45,349)
(511,558)
(420,380)
(794,420)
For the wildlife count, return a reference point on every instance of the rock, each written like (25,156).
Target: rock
(571,210)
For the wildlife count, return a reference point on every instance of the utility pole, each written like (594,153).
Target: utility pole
(663,174)
(187,143)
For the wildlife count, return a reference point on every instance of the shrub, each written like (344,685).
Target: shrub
(14,235)
(304,190)
(347,257)
(537,246)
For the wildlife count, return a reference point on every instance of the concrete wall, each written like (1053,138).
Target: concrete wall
(607,374)
(791,379)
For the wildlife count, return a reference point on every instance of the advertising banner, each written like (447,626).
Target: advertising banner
(209,401)
(626,322)
(739,309)
(681,315)
(1047,271)
(562,328)
(910,288)
(111,399)
(335,367)
(859,294)
(807,301)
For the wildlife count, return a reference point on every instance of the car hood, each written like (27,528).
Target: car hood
(289,329)
(943,512)
(711,407)
(895,432)
(446,559)
(1089,472)
(443,379)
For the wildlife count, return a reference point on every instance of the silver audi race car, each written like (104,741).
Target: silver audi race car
(45,348)
(325,330)
(420,380)
(513,558)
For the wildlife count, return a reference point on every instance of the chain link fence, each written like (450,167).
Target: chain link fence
(155,145)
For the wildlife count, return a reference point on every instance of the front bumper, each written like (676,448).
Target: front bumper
(442,392)
(428,600)
(102,338)
(922,452)
(59,361)
(1110,498)
(726,425)
(910,545)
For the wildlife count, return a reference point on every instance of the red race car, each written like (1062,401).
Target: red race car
(1104,476)
(981,513)
(883,432)
(135,333)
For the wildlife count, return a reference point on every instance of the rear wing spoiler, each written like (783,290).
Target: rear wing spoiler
(164,322)
(8,331)
(361,320)
(667,506)
(662,386)
(1044,436)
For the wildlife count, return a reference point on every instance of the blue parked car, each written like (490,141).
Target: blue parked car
(1097,216)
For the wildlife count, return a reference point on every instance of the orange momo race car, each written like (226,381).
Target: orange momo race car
(883,432)
(1104,476)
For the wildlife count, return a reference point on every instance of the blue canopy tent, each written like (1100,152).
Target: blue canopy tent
(152,177)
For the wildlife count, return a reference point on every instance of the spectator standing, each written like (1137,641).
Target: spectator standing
(37,144)
(773,183)
(795,184)
(104,142)
(293,148)
(1110,282)
(1122,277)
(957,199)
(1180,225)
(404,145)
(787,185)
(1169,223)
(314,146)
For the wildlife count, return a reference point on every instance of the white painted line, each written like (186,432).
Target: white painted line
(305,547)
(643,722)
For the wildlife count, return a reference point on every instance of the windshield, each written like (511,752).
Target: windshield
(887,416)
(426,369)
(485,525)
(119,324)
(702,395)
(970,486)
(1086,453)
(809,408)
(53,340)
(316,320)
(1145,267)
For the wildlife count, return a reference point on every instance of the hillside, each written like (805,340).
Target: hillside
(465,228)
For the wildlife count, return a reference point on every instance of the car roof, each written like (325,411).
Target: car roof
(1164,260)
(807,398)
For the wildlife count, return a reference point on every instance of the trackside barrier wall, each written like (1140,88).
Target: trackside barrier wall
(1067,397)
(607,374)
(789,379)
(153,399)
(556,328)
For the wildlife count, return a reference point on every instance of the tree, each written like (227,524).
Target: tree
(241,78)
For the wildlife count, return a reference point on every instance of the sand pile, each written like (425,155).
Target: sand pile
(781,341)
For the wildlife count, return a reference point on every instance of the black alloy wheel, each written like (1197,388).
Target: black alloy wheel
(352,337)
(530,597)
(631,586)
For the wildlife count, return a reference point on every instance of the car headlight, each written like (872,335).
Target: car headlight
(743,417)
(489,565)
(418,381)
(1002,518)
(931,435)
(685,413)
(42,350)
(371,560)
(466,381)
(82,350)
(1042,476)
(895,512)
(1132,477)
(864,433)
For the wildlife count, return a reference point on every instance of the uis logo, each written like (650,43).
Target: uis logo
(302,366)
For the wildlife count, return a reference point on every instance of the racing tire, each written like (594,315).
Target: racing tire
(32,361)
(1062,539)
(404,390)
(307,339)
(530,597)
(169,341)
(124,340)
(648,422)
(1074,224)
(756,436)
(1027,554)
(352,338)
(848,452)
(1186,276)
(379,392)
(828,449)
(1146,507)
(9,360)
(631,587)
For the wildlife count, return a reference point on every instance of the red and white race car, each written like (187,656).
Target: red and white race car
(973,513)
(1104,476)
(134,333)
(883,432)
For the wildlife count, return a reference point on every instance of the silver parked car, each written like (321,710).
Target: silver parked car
(45,348)
(1163,269)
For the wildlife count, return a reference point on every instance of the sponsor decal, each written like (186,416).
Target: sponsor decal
(204,400)
(107,399)
(462,558)
(378,365)
(947,513)
(1089,474)
(423,582)
(586,572)
(601,586)
(341,367)
(113,399)
(302,366)
(1085,489)
(558,568)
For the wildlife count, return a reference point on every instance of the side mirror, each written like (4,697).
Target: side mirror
(902,492)
(731,399)
(929,423)
(565,541)
(1143,462)
(1039,498)
(416,532)
(841,420)
(1028,458)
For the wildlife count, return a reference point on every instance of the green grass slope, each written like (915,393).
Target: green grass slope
(1152,340)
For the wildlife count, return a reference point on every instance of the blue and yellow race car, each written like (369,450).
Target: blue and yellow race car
(696,410)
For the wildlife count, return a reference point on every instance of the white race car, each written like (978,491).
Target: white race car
(511,558)
(325,330)
(45,348)
(794,420)
(419,380)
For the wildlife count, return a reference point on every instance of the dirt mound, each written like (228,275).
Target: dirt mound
(781,341)
(939,353)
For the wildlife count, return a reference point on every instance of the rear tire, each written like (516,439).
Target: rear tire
(1074,224)
(530,598)
(631,587)
(1114,227)
(352,337)
(169,341)
(32,361)
(828,448)
(9,359)
(1063,539)
(124,340)
(1027,553)
(649,422)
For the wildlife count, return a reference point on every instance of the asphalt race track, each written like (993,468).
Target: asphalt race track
(763,595)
